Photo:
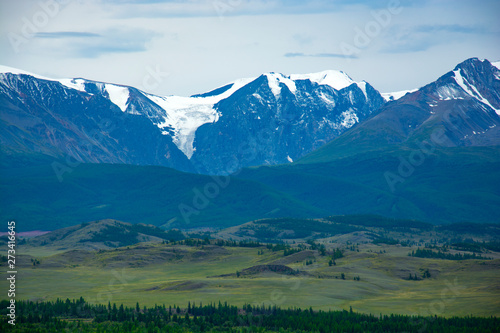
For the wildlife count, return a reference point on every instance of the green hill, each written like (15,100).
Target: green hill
(102,234)
(448,185)
(35,198)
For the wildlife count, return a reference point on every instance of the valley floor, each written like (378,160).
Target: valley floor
(370,278)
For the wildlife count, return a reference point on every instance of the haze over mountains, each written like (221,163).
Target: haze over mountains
(432,154)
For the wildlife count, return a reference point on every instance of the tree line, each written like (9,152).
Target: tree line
(423,253)
(80,316)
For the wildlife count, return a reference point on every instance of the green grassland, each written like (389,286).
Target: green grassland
(173,273)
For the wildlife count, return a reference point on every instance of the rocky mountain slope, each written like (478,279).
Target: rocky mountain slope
(271,119)
(459,109)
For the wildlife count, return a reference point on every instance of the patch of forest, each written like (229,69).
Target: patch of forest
(80,316)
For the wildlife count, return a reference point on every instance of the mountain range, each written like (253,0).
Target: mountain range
(297,146)
(462,107)
(270,119)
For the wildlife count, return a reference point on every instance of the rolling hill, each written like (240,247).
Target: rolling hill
(36,199)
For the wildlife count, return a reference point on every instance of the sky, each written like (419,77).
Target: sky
(188,47)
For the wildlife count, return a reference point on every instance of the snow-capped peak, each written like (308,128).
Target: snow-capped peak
(183,115)
(235,85)
(118,95)
(392,96)
(336,79)
(180,117)
(496,64)
(12,70)
(275,80)
(78,84)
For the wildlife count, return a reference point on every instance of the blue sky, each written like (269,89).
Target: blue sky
(189,47)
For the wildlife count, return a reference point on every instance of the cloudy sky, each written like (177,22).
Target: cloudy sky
(185,47)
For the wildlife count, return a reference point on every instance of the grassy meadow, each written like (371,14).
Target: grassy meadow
(157,273)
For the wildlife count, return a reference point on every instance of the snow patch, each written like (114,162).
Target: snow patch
(258,97)
(236,85)
(118,95)
(349,118)
(449,98)
(326,99)
(289,159)
(78,84)
(336,79)
(392,96)
(275,80)
(351,97)
(462,82)
(362,86)
(12,70)
(471,90)
(448,93)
